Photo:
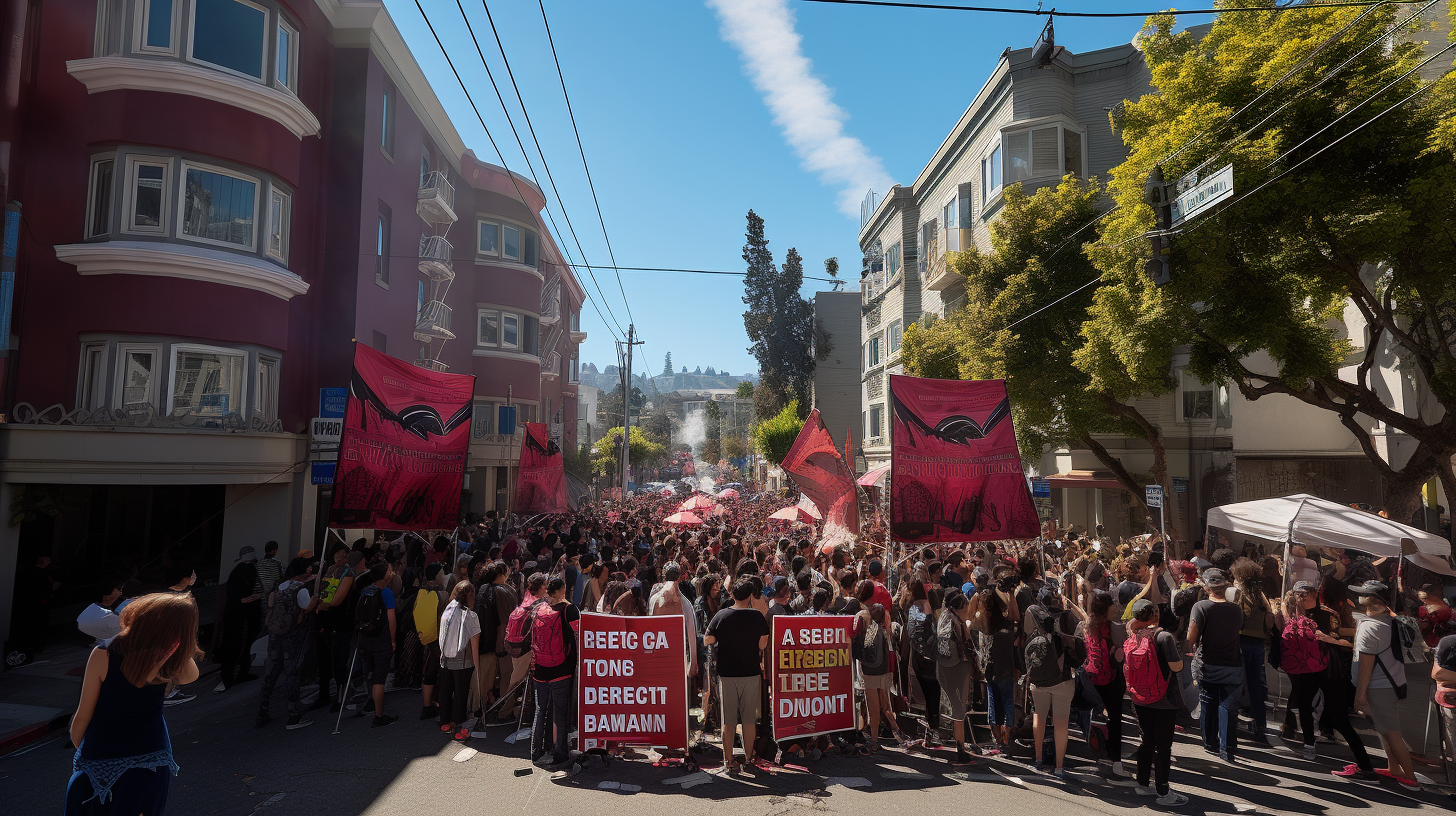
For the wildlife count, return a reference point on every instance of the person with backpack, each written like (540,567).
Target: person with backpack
(1050,654)
(553,643)
(335,624)
(1379,675)
(1305,649)
(494,602)
(426,616)
(1214,626)
(921,614)
(994,615)
(1103,668)
(518,628)
(286,621)
(953,666)
(459,655)
(871,647)
(1253,639)
(375,621)
(1151,662)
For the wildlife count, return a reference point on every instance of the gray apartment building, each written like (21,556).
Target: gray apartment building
(837,387)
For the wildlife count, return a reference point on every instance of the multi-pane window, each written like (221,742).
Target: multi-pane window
(207,382)
(489,238)
(280,206)
(510,331)
(892,262)
(488,333)
(218,206)
(231,35)
(98,217)
(874,428)
(137,381)
(148,195)
(1050,151)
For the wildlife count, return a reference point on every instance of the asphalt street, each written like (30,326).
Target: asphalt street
(229,767)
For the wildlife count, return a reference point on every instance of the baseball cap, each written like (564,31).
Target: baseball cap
(1370,588)
(1143,609)
(1304,586)
(1214,577)
(246,554)
(968,588)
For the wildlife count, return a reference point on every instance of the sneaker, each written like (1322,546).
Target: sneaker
(1144,790)
(387,719)
(1113,775)
(462,735)
(262,721)
(296,721)
(1172,799)
(1353,771)
(1309,753)
(429,712)
(179,698)
(1287,732)
(220,687)
(1059,774)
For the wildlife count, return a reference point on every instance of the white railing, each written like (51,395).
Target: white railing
(433,322)
(436,257)
(437,186)
(551,301)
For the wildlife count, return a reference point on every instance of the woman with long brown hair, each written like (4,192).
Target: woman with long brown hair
(123,762)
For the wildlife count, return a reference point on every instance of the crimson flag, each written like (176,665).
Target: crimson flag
(955,473)
(402,451)
(822,474)
(541,479)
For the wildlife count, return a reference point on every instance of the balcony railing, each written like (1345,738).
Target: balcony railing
(433,322)
(551,301)
(551,365)
(433,365)
(435,258)
(436,203)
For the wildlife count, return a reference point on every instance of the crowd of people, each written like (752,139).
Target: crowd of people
(1047,638)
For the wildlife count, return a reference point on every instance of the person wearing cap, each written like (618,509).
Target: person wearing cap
(778,592)
(242,620)
(1156,719)
(1379,675)
(1213,628)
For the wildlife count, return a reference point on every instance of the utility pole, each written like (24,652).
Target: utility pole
(627,407)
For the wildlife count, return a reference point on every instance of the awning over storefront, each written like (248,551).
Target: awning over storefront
(1084,478)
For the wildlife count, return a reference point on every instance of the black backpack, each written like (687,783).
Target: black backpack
(1045,663)
(489,618)
(370,616)
(923,637)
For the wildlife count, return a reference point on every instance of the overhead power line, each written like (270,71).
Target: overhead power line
(699,271)
(1039,12)
(498,153)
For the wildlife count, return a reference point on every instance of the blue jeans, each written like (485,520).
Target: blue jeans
(554,700)
(1258,683)
(1000,701)
(1219,708)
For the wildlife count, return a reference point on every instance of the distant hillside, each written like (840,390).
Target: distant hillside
(608,378)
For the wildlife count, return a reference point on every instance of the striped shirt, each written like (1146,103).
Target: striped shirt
(270,572)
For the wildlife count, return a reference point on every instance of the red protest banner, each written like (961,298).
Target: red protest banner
(955,473)
(402,453)
(813,675)
(541,479)
(632,680)
(821,474)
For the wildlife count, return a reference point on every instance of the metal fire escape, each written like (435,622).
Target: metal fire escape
(551,316)
(436,207)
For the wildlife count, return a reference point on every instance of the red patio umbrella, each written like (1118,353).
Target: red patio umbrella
(794,513)
(729,493)
(698,502)
(684,519)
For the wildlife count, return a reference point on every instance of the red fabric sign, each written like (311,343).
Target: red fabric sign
(822,474)
(813,675)
(541,480)
(402,452)
(632,681)
(955,473)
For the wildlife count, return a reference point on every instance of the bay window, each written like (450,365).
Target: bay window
(489,331)
(218,206)
(98,205)
(157,25)
(280,206)
(512,247)
(489,238)
(231,35)
(510,331)
(148,179)
(1040,152)
(507,330)
(285,56)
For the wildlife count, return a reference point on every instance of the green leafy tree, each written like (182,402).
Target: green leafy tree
(734,447)
(779,323)
(1334,265)
(606,456)
(610,406)
(658,426)
(745,390)
(1008,331)
(774,436)
(579,462)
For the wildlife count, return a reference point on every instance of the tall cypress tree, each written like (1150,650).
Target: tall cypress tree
(779,323)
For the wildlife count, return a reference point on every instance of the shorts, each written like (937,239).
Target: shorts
(739,697)
(1054,702)
(1383,709)
(877,681)
(374,666)
(431,673)
(955,682)
(1001,702)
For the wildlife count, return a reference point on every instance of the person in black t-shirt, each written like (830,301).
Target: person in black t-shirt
(1214,626)
(738,636)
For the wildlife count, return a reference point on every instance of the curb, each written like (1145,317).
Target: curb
(22,737)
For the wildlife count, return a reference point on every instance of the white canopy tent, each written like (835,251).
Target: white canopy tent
(1315,522)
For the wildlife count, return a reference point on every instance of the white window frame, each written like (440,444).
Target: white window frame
(894,338)
(265,388)
(290,82)
(143,16)
(516,346)
(480,222)
(875,417)
(263,70)
(519,243)
(106,24)
(283,217)
(128,211)
(875,351)
(479,341)
(894,263)
(118,388)
(91,395)
(950,217)
(258,187)
(991,169)
(91,197)
(179,348)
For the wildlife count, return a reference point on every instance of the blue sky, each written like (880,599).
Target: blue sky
(682,144)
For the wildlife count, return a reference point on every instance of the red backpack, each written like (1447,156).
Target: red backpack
(1301,650)
(1147,679)
(1099,666)
(546,637)
(519,626)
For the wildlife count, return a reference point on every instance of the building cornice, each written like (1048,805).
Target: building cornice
(101,74)
(182,261)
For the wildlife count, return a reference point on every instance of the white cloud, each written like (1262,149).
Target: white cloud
(802,105)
